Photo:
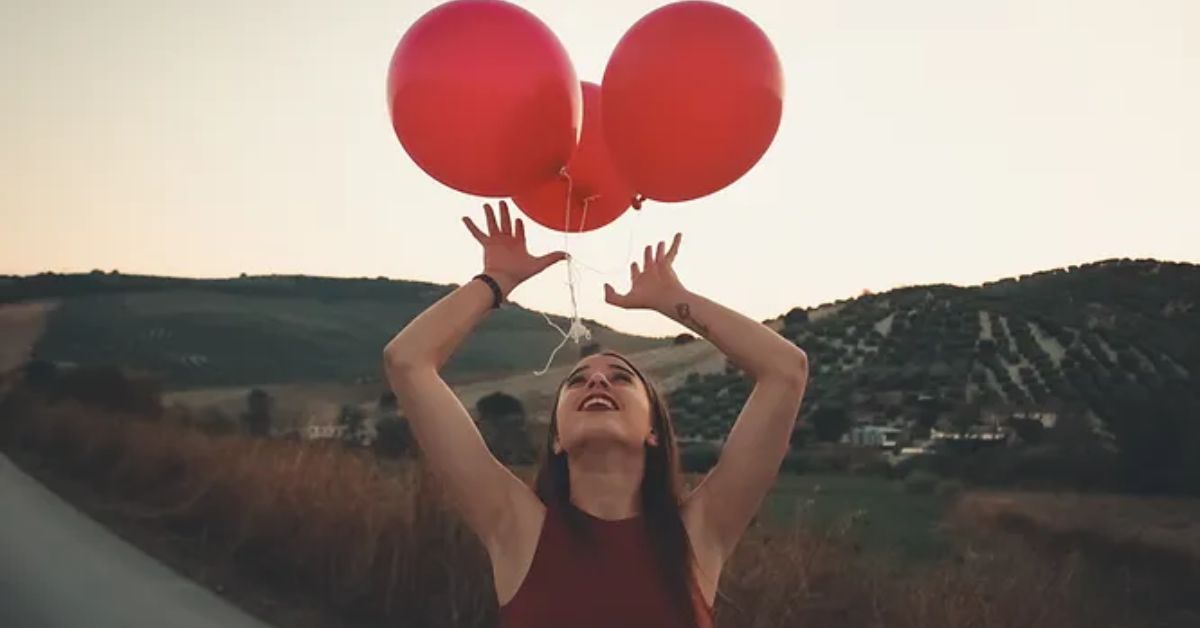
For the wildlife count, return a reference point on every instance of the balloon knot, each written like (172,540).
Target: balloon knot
(637,201)
(578,332)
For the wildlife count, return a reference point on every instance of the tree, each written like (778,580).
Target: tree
(683,339)
(830,421)
(801,434)
(699,457)
(502,424)
(1030,431)
(387,402)
(590,349)
(795,317)
(394,438)
(111,388)
(965,417)
(257,418)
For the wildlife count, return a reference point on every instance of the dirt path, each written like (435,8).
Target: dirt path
(666,366)
(59,568)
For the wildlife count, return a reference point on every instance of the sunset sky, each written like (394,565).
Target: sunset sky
(924,141)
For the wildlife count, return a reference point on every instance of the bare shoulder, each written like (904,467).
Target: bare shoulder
(512,546)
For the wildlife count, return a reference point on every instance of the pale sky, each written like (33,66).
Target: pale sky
(923,141)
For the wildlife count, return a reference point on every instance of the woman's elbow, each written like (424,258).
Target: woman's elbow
(793,369)
(398,359)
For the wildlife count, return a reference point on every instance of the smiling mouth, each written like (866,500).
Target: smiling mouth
(598,402)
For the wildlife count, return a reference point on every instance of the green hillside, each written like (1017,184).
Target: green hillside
(1117,342)
(259,330)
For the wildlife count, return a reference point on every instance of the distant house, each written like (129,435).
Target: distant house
(322,432)
(1047,419)
(978,433)
(884,437)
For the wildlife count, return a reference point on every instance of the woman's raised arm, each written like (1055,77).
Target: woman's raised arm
(729,496)
(483,490)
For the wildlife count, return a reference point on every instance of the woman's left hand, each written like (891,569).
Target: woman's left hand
(654,286)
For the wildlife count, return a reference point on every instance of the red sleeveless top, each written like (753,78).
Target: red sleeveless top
(615,585)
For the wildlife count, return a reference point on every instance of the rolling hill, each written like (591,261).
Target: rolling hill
(1116,341)
(262,330)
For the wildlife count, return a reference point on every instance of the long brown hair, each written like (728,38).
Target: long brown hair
(662,485)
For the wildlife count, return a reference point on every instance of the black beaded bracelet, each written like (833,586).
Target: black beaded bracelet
(497,295)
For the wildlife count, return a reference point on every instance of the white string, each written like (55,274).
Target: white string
(577,330)
(628,253)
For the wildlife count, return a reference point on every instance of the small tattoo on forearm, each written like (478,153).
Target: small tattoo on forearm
(685,316)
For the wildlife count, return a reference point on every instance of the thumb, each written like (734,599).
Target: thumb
(612,297)
(550,259)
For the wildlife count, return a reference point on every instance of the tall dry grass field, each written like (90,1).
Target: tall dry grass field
(373,540)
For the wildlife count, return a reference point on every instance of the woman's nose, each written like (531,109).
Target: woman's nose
(597,379)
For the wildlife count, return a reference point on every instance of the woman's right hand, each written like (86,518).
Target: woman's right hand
(505,257)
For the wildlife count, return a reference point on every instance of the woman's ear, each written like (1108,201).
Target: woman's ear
(556,447)
(652,439)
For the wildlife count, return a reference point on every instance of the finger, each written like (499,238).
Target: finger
(491,220)
(479,237)
(612,297)
(520,230)
(505,219)
(633,272)
(674,247)
(660,251)
(648,259)
(550,259)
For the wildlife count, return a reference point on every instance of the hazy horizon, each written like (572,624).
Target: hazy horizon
(935,142)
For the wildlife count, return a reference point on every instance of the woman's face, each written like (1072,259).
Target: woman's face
(603,400)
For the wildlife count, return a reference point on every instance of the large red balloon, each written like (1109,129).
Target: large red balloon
(693,95)
(484,98)
(599,193)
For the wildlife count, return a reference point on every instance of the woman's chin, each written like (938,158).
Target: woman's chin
(604,435)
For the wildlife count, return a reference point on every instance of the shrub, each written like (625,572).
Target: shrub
(699,457)
(795,463)
(921,483)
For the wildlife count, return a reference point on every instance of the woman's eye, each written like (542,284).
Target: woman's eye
(623,377)
(575,380)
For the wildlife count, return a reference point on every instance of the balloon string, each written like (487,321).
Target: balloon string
(628,253)
(577,330)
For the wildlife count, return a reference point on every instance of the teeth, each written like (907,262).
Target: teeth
(599,402)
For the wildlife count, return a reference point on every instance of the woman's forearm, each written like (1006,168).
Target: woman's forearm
(751,345)
(432,337)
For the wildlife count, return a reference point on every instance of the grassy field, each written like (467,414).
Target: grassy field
(877,513)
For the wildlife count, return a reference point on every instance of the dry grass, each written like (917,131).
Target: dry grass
(1149,547)
(372,540)
(1157,524)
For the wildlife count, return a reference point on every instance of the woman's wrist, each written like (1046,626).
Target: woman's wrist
(507,284)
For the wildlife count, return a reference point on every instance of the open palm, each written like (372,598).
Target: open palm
(505,255)
(654,286)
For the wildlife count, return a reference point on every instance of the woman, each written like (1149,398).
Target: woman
(604,538)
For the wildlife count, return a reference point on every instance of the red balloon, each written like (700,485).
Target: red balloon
(599,193)
(693,95)
(484,98)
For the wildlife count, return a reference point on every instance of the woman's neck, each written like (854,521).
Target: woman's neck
(607,484)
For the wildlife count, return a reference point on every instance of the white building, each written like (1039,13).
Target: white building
(873,436)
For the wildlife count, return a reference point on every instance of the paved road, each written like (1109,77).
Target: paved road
(60,569)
